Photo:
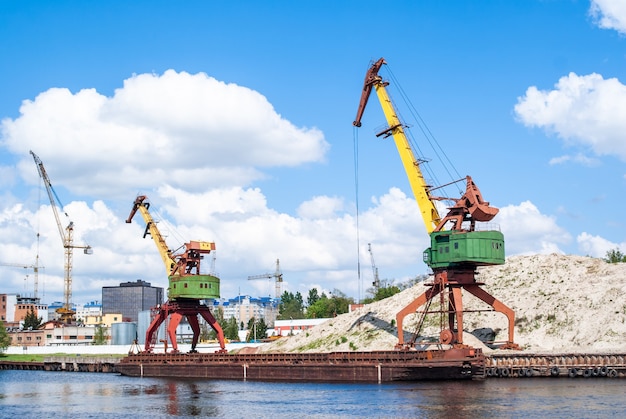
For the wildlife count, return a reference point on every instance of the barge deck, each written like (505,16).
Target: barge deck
(377,366)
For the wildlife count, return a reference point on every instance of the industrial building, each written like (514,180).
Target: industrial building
(129,298)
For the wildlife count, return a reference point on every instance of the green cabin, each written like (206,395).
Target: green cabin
(450,248)
(199,287)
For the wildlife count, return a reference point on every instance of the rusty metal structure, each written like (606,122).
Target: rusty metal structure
(376,366)
(458,246)
(187,288)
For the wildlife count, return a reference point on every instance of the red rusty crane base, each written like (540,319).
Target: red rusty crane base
(454,280)
(175,310)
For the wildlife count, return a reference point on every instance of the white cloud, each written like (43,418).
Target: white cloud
(189,131)
(577,158)
(585,111)
(320,250)
(596,246)
(609,14)
(528,231)
(320,207)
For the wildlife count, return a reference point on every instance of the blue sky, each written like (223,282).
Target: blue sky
(235,118)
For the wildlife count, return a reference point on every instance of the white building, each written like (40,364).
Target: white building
(92,308)
(245,307)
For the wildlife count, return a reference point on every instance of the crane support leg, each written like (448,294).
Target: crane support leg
(497,306)
(176,310)
(153,329)
(455,281)
(175,319)
(195,326)
(455,313)
(208,316)
(431,293)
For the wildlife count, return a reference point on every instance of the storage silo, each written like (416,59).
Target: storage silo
(123,333)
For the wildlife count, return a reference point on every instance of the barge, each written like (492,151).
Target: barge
(372,367)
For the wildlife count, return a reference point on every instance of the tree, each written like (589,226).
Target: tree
(100,337)
(385,290)
(5,339)
(231,330)
(261,329)
(313,297)
(291,306)
(31,321)
(326,307)
(257,329)
(615,256)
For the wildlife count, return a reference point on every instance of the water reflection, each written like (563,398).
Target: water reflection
(36,394)
(186,398)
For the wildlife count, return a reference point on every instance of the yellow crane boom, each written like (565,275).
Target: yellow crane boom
(420,188)
(152,229)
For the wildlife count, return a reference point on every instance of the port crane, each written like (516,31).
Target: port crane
(278,278)
(457,246)
(187,285)
(66,312)
(376,280)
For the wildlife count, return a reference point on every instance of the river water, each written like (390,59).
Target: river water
(40,394)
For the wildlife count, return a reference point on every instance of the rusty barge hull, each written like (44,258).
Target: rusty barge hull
(372,367)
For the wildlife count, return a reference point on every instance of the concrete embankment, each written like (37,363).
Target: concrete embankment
(65,363)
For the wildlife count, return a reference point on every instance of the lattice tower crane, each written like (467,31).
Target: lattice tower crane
(67,238)
(278,279)
(35,267)
(457,247)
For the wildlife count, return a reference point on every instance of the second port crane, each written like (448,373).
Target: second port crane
(457,246)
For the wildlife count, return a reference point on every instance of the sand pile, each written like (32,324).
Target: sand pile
(561,304)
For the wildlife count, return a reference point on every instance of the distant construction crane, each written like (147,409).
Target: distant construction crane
(67,237)
(278,278)
(35,267)
(376,281)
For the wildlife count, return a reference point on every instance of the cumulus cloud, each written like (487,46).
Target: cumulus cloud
(527,231)
(320,207)
(188,131)
(596,246)
(609,14)
(585,111)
